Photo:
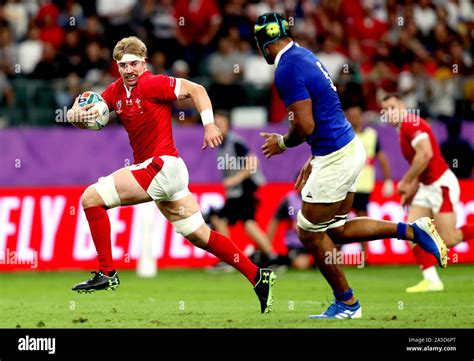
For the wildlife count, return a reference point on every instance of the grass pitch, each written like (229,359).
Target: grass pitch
(199,299)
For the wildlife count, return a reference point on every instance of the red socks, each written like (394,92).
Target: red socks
(99,225)
(223,248)
(424,259)
(467,232)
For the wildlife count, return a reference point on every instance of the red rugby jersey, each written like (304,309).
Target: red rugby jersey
(412,130)
(145,112)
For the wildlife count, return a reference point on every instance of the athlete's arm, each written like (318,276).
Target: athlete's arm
(202,103)
(409,184)
(300,115)
(423,155)
(80,116)
(301,122)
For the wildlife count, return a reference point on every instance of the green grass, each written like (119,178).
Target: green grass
(198,299)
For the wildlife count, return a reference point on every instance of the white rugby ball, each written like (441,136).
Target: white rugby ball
(90,97)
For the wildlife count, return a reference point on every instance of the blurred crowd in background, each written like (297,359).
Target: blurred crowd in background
(50,51)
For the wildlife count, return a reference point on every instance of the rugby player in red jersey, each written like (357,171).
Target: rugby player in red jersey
(143,103)
(429,187)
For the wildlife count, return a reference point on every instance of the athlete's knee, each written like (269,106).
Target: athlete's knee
(102,193)
(337,233)
(306,225)
(193,228)
(90,198)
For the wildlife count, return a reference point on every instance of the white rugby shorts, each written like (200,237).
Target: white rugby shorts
(440,196)
(334,175)
(164,178)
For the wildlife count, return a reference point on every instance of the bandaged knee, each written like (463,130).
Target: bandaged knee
(308,226)
(188,225)
(339,221)
(105,186)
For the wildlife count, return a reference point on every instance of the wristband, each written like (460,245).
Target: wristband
(281,142)
(207,116)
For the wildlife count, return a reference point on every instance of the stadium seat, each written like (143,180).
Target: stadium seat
(249,117)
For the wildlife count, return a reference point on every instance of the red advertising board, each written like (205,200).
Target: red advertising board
(44,228)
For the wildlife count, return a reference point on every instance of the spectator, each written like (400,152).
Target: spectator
(117,16)
(30,50)
(442,91)
(71,15)
(424,16)
(367,29)
(8,53)
(184,111)
(333,59)
(7,97)
(160,25)
(17,15)
(224,67)
(48,68)
(94,63)
(157,63)
(50,31)
(198,22)
(257,72)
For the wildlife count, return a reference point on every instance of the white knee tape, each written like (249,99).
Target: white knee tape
(338,221)
(188,225)
(106,189)
(303,223)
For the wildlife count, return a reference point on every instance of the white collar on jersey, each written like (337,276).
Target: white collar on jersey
(280,53)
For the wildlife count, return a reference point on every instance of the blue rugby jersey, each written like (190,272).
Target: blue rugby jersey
(300,75)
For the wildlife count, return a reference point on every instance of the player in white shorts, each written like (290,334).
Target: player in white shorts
(329,177)
(429,188)
(143,103)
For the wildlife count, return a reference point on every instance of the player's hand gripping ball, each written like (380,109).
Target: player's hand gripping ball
(100,110)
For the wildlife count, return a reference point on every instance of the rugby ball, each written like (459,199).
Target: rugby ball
(90,97)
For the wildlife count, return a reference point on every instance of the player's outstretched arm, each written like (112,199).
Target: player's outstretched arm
(81,116)
(202,103)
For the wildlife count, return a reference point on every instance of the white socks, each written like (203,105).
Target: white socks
(431,274)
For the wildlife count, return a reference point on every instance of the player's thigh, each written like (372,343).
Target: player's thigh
(446,226)
(416,212)
(117,189)
(179,209)
(313,220)
(128,189)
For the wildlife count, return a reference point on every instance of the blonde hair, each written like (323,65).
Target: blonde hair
(130,45)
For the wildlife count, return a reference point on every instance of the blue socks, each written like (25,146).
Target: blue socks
(402,230)
(344,296)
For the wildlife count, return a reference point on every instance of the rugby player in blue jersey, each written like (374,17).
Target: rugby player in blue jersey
(327,180)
